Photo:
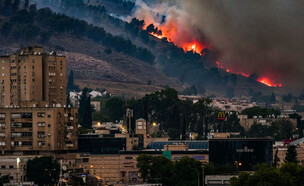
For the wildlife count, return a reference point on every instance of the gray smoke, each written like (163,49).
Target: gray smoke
(265,37)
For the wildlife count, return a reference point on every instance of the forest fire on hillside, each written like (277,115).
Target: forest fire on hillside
(196,47)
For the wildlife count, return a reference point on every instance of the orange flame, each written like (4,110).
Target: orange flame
(195,46)
(268,82)
(158,36)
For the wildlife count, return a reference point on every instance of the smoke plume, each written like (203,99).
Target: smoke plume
(262,37)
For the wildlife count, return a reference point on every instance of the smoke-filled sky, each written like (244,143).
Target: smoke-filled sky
(261,36)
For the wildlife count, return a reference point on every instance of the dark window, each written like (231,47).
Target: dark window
(85,160)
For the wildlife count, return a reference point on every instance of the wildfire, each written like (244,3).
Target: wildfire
(268,82)
(197,47)
(193,46)
(158,36)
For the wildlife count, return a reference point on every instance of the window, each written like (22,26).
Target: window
(26,115)
(16,125)
(41,124)
(24,134)
(2,143)
(15,116)
(40,143)
(16,134)
(41,134)
(49,116)
(2,116)
(40,114)
(2,125)
(11,166)
(128,157)
(2,166)
(85,160)
(27,125)
(27,143)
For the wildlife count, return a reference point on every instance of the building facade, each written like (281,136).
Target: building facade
(32,78)
(40,129)
(33,116)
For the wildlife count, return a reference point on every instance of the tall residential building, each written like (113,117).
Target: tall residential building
(32,78)
(33,116)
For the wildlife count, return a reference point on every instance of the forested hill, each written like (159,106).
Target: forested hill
(188,67)
(22,24)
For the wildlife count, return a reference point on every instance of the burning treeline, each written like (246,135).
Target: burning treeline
(181,22)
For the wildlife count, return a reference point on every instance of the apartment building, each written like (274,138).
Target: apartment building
(33,116)
(31,77)
(40,129)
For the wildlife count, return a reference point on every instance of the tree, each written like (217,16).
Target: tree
(273,98)
(82,105)
(288,98)
(259,130)
(291,155)
(26,4)
(187,171)
(87,119)
(70,84)
(155,169)
(158,169)
(68,100)
(276,160)
(281,129)
(233,124)
(115,108)
(43,170)
(4,179)
(257,111)
(289,174)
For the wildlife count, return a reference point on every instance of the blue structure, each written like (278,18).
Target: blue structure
(193,145)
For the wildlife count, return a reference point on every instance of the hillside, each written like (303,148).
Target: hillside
(188,67)
(116,51)
(115,60)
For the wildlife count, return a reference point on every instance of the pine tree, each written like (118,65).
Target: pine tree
(70,85)
(291,155)
(276,160)
(87,120)
(273,98)
(82,105)
(68,100)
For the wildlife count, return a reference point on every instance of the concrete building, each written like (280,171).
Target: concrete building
(33,116)
(248,122)
(38,129)
(228,105)
(32,78)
